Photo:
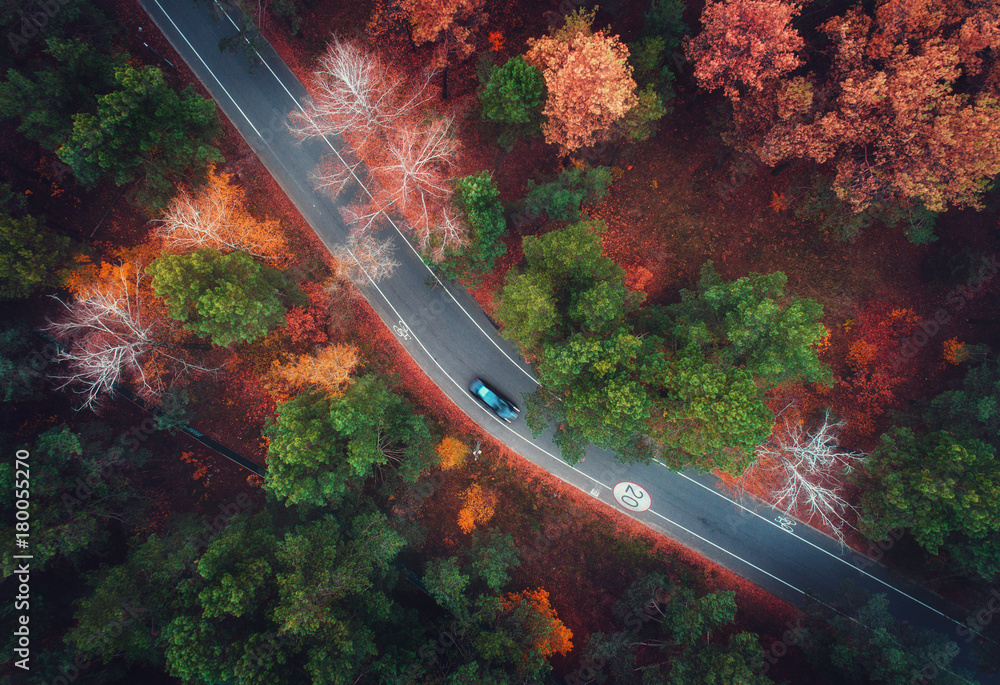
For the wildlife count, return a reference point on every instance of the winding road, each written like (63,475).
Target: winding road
(453,341)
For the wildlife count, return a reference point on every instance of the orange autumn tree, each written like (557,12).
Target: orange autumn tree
(529,615)
(589,82)
(452,453)
(478,509)
(954,352)
(216,216)
(745,43)
(328,370)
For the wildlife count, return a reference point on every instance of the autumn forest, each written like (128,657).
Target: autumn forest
(756,242)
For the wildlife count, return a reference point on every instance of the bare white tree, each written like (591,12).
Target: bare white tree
(450,232)
(217,218)
(415,182)
(420,155)
(354,92)
(336,173)
(363,257)
(812,464)
(408,154)
(107,337)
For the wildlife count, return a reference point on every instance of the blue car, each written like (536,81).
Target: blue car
(502,407)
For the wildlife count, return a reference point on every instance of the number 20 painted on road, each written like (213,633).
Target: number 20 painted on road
(632,496)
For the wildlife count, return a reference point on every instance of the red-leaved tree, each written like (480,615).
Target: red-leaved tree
(745,42)
(449,23)
(904,103)
(889,115)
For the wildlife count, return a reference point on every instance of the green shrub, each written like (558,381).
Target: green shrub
(561,199)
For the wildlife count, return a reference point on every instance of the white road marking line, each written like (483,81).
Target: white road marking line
(812,544)
(732,554)
(783,582)
(371,281)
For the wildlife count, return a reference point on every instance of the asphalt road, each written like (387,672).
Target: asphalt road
(453,341)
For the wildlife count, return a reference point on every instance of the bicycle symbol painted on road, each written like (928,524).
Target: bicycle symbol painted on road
(786,523)
(401,330)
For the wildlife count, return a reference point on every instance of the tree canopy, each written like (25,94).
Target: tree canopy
(745,43)
(972,411)
(514,93)
(938,487)
(856,640)
(32,258)
(82,487)
(479,200)
(108,119)
(893,97)
(690,635)
(286,604)
(144,131)
(145,582)
(228,298)
(61,88)
(683,383)
(588,81)
(561,198)
(502,637)
(750,323)
(321,444)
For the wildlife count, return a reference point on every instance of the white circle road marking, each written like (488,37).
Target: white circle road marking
(632,496)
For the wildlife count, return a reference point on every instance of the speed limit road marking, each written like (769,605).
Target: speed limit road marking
(632,496)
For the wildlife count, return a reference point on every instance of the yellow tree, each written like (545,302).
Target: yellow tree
(589,82)
(452,452)
(217,217)
(328,370)
(479,505)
